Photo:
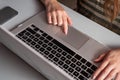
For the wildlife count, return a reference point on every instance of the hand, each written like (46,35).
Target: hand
(57,15)
(110,67)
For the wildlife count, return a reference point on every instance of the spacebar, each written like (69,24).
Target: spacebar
(63,47)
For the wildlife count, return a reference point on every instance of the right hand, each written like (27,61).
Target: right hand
(110,66)
(57,16)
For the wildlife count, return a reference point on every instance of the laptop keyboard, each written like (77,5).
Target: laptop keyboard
(72,63)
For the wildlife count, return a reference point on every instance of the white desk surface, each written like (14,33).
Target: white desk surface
(13,68)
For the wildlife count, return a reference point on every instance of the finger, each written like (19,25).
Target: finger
(117,76)
(105,72)
(102,66)
(49,18)
(111,75)
(59,18)
(69,20)
(54,18)
(65,25)
(100,58)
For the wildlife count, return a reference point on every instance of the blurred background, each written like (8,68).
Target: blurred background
(69,3)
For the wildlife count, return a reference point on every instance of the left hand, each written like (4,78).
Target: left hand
(110,67)
(57,15)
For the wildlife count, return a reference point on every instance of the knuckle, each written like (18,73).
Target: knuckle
(59,11)
(107,59)
(111,75)
(105,71)
(112,63)
(112,51)
(99,78)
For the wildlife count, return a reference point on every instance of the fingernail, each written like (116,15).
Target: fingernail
(59,24)
(55,24)
(93,77)
(66,32)
(50,22)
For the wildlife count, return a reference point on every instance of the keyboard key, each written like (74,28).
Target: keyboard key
(59,50)
(78,57)
(46,41)
(28,40)
(41,49)
(82,77)
(31,31)
(51,56)
(36,29)
(36,40)
(70,70)
(56,59)
(53,52)
(40,31)
(46,53)
(58,55)
(37,46)
(27,33)
(31,37)
(44,34)
(64,53)
(49,38)
(41,38)
(85,74)
(44,45)
(60,63)
(75,73)
(73,60)
(33,26)
(83,67)
(88,64)
(67,62)
(54,47)
(49,48)
(18,37)
(83,60)
(63,58)
(23,32)
(78,69)
(69,56)
(72,53)
(33,43)
(93,67)
(37,35)
(20,34)
(24,37)
(79,63)
(40,42)
(90,71)
(73,65)
(65,66)
(50,44)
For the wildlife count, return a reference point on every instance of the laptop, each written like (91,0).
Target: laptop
(56,55)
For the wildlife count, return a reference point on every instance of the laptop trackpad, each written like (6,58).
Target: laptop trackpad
(74,37)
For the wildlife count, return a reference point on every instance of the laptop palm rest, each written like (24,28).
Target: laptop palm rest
(75,38)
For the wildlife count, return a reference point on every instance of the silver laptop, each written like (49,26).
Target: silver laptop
(58,56)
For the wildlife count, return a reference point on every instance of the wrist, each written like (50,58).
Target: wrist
(47,2)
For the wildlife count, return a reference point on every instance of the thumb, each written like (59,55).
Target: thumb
(100,58)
